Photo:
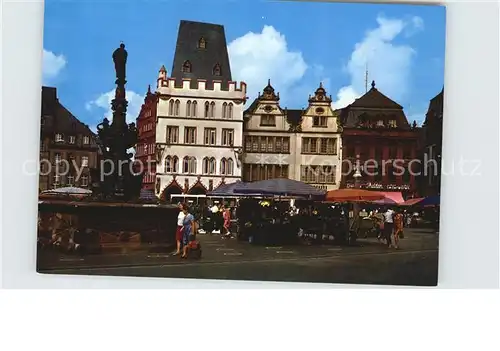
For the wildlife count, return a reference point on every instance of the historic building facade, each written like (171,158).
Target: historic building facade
(199,115)
(432,144)
(378,139)
(145,151)
(68,148)
(319,143)
(303,145)
(269,144)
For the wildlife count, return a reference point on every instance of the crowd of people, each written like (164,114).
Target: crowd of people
(216,218)
(388,223)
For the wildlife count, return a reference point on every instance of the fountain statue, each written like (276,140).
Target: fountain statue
(118,180)
(114,214)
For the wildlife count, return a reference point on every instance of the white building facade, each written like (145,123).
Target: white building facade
(319,143)
(200,133)
(199,116)
(303,145)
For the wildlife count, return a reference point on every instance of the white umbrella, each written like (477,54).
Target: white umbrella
(70,190)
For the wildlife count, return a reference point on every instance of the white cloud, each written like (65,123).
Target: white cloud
(103,102)
(389,64)
(257,57)
(52,64)
(418,23)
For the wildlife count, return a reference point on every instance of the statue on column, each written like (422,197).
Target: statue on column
(120,60)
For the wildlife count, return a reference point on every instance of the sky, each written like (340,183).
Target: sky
(295,44)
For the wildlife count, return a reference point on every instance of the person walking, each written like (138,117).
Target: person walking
(226,214)
(398,228)
(178,233)
(388,226)
(187,230)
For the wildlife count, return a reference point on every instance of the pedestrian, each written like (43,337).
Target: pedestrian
(379,224)
(398,228)
(388,226)
(178,232)
(215,219)
(187,230)
(226,215)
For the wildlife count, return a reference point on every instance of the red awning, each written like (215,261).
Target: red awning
(391,197)
(411,202)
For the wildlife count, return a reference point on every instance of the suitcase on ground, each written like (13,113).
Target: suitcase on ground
(194,249)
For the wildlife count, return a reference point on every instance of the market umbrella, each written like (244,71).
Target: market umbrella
(412,202)
(357,195)
(280,187)
(226,189)
(66,191)
(390,198)
(385,201)
(431,201)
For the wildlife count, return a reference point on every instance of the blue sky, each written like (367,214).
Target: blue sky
(295,44)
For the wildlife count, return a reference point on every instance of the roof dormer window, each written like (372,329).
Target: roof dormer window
(202,43)
(216,70)
(186,67)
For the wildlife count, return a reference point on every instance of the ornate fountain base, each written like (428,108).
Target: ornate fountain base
(100,226)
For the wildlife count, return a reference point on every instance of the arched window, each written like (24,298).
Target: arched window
(230,166)
(206,162)
(223,166)
(189,165)
(211,166)
(230,110)
(224,110)
(188,109)
(171,108)
(212,109)
(216,71)
(192,165)
(226,166)
(168,164)
(194,107)
(177,107)
(202,43)
(171,164)
(207,109)
(186,67)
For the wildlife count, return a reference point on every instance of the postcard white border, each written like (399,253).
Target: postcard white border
(469,248)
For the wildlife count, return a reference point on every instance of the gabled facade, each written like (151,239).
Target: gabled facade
(68,148)
(303,144)
(145,151)
(269,145)
(199,120)
(319,143)
(376,132)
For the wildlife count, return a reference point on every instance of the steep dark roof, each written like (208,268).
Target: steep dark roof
(57,118)
(371,107)
(202,60)
(375,99)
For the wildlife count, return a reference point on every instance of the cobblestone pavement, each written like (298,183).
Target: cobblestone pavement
(414,264)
